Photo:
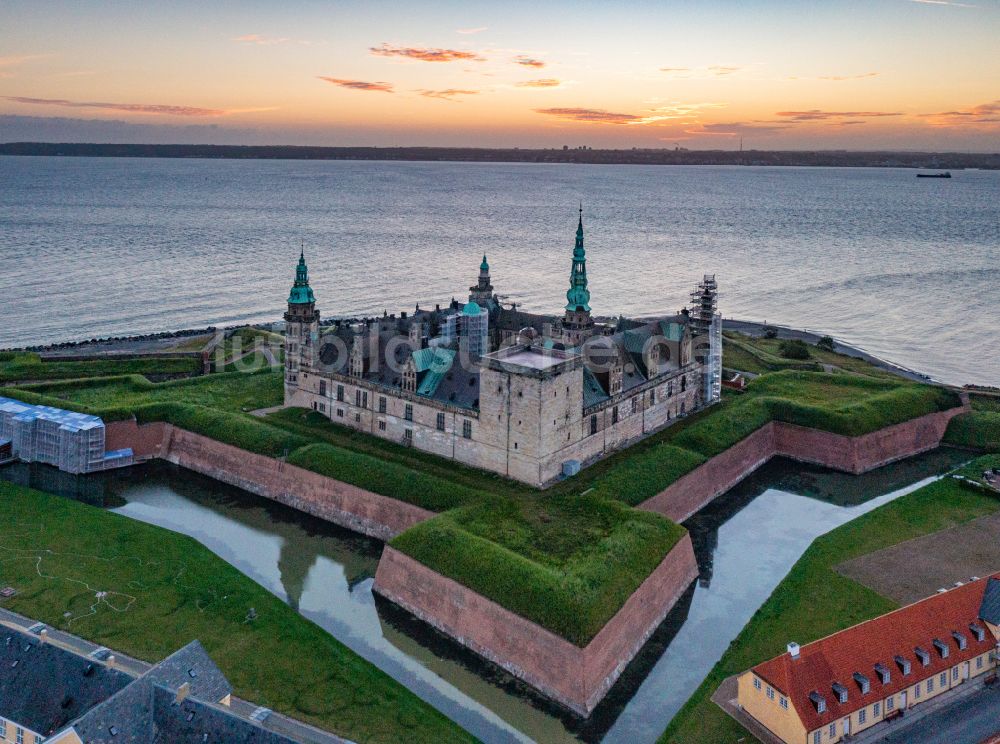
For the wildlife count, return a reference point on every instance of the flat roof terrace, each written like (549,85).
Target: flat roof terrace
(532,360)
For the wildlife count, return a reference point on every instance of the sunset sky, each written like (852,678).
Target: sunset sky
(905,74)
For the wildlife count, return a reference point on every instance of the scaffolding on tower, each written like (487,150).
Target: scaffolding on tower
(706,325)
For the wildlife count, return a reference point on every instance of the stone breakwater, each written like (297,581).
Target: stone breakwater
(573,676)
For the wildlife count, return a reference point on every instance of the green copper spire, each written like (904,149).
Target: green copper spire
(578,296)
(301,293)
(484,266)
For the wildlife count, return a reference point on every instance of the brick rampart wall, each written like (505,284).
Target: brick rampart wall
(855,455)
(341,503)
(576,677)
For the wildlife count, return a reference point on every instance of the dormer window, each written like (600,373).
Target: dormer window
(819,701)
(903,664)
(978,631)
(840,691)
(863,682)
(942,648)
(960,640)
(883,673)
(925,658)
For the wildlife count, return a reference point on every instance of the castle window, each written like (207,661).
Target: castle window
(408,414)
(357,418)
(408,435)
(467,429)
(440,422)
(614,415)
(364,399)
(670,388)
(515,445)
(381,425)
(381,404)
(340,412)
(357,397)
(684,383)
(322,407)
(322,388)
(652,397)
(340,393)
(635,405)
(593,424)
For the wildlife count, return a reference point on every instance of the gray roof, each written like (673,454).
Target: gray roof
(989,610)
(43,687)
(192,721)
(193,665)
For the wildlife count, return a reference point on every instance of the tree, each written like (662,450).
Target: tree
(770,332)
(794,348)
(825,343)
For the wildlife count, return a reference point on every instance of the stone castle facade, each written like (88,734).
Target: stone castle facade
(532,397)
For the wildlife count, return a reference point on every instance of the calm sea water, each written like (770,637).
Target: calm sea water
(907,268)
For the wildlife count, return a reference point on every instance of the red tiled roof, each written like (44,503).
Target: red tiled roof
(858,649)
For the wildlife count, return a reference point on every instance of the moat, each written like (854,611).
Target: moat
(745,542)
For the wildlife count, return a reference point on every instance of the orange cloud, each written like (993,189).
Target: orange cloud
(424,54)
(131,108)
(985,113)
(720,71)
(359,84)
(586,114)
(540,83)
(675,69)
(818,115)
(529,62)
(448,94)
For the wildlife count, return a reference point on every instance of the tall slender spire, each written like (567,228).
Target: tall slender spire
(578,296)
(301,293)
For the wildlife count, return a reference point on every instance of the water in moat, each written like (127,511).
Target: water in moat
(745,542)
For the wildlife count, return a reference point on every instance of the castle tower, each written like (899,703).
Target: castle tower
(483,291)
(577,323)
(301,328)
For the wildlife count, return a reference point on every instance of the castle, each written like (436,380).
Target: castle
(532,397)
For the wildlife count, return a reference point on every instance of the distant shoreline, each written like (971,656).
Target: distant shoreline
(817,158)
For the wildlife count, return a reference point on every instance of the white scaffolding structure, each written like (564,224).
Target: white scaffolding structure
(73,442)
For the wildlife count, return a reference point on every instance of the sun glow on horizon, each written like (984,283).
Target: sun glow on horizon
(895,73)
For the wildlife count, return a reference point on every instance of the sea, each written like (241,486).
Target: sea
(905,268)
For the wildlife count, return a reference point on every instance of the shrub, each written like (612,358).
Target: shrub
(795,348)
(825,343)
(770,332)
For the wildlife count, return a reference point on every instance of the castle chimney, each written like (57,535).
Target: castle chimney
(793,650)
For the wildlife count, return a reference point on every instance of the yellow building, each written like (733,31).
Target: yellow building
(855,679)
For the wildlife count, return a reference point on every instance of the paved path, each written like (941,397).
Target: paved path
(276,722)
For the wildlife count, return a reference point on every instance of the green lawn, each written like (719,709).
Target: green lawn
(979,429)
(814,600)
(17,367)
(166,589)
(233,391)
(761,355)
